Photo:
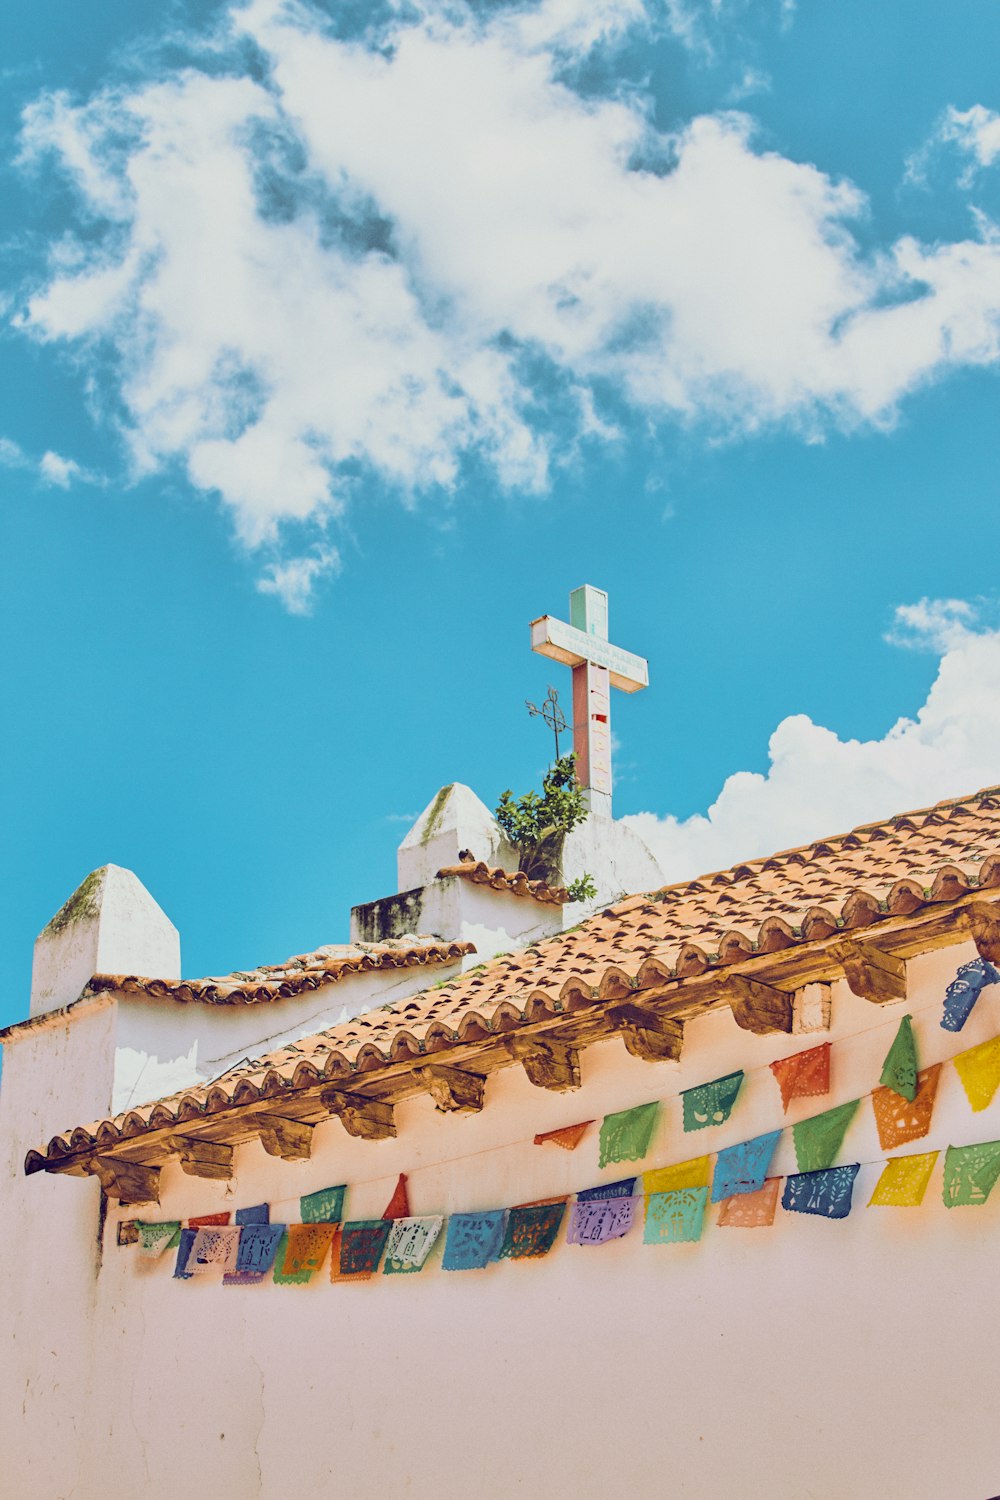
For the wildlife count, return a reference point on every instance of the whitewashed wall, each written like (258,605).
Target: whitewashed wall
(831,1360)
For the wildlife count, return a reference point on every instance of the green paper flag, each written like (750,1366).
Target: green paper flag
(711,1103)
(970,1174)
(818,1140)
(625,1136)
(899,1071)
(324,1207)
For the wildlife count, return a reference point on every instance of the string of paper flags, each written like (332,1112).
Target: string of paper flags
(673,1199)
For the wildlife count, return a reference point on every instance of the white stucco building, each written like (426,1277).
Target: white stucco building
(844,1359)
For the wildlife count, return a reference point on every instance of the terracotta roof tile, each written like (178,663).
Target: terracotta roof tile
(306,971)
(517,884)
(820,890)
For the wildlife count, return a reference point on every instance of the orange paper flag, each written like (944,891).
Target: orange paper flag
(750,1210)
(399,1203)
(805,1074)
(898,1119)
(568,1138)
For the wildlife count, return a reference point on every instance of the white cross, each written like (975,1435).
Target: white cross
(597,667)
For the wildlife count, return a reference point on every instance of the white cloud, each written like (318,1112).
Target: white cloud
(819,784)
(388,254)
(294,580)
(59,471)
(50,469)
(973,133)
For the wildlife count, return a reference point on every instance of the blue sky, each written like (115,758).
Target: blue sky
(341,341)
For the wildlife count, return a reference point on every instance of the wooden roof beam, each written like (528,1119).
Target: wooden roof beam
(646,1035)
(549,1064)
(202,1158)
(369,1119)
(289,1139)
(756,1006)
(127,1181)
(453,1090)
(871,973)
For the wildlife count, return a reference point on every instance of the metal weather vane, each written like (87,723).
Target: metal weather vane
(551,714)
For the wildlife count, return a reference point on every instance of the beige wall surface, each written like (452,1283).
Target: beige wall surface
(814,1360)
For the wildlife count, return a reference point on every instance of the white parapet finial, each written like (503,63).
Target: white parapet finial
(110,925)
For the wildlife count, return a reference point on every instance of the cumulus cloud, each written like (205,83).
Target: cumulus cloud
(390,252)
(818,784)
(51,469)
(294,580)
(974,133)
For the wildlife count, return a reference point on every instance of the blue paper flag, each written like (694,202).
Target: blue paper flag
(827,1193)
(742,1168)
(184,1245)
(623,1189)
(473,1240)
(674,1217)
(964,990)
(260,1213)
(258,1247)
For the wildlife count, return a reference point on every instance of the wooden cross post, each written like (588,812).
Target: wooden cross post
(597,668)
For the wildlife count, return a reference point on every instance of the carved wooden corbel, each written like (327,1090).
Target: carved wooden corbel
(200,1158)
(756,1006)
(369,1119)
(984,922)
(289,1139)
(645,1034)
(549,1064)
(874,975)
(452,1089)
(128,1181)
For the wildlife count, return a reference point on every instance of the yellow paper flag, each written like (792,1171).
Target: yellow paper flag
(685,1174)
(979,1070)
(904,1181)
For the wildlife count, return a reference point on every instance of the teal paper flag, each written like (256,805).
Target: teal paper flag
(324,1207)
(818,1140)
(625,1136)
(674,1217)
(899,1071)
(711,1103)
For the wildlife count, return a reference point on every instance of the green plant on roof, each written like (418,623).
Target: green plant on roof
(537,826)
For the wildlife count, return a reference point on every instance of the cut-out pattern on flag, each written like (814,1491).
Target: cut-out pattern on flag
(711,1103)
(979,1071)
(804,1075)
(827,1193)
(255,1258)
(899,1071)
(817,1140)
(742,1168)
(532,1229)
(323,1207)
(258,1213)
(473,1240)
(675,1217)
(594,1221)
(751,1210)
(358,1249)
(214,1250)
(901,1120)
(624,1188)
(903,1182)
(184,1243)
(625,1135)
(155,1239)
(207,1221)
(970,1174)
(398,1206)
(569,1137)
(301,1251)
(961,995)
(684,1174)
(410,1243)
